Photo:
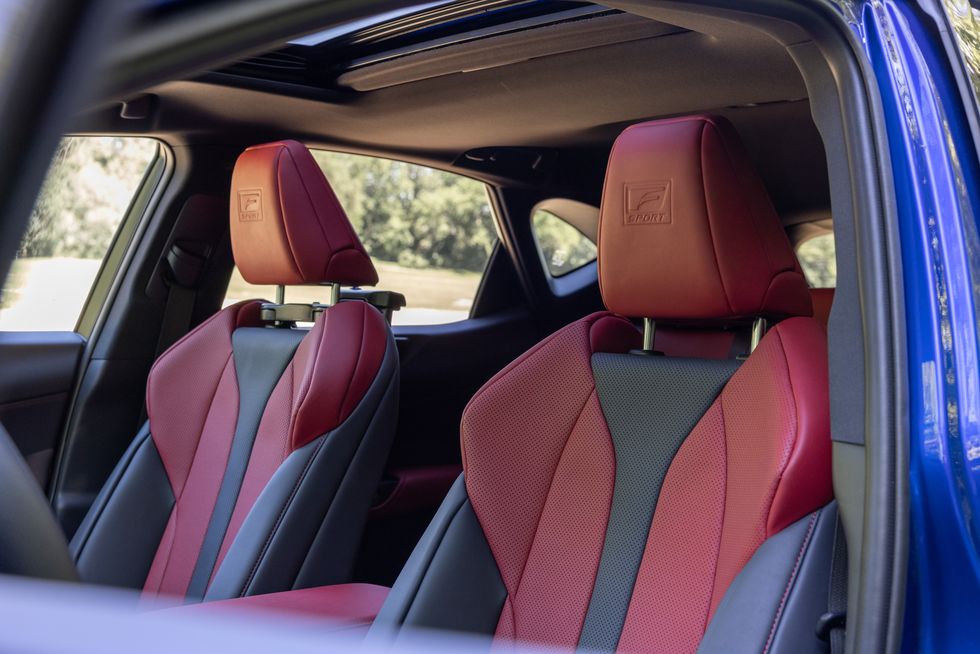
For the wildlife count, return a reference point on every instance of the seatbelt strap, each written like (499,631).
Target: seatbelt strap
(832,625)
(176,316)
(185,263)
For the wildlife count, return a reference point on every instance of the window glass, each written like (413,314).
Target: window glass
(965,21)
(429,232)
(88,189)
(563,247)
(818,261)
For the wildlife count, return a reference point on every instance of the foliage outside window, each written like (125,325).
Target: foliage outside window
(818,260)
(88,189)
(429,232)
(965,21)
(563,247)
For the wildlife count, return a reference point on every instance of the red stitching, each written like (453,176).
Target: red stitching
(789,583)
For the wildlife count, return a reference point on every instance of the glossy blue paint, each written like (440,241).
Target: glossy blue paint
(936,177)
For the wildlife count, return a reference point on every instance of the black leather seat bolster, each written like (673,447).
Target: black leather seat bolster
(451,580)
(323,488)
(118,539)
(775,601)
(31,542)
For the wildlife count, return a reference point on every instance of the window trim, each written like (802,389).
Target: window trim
(582,217)
(495,216)
(119,254)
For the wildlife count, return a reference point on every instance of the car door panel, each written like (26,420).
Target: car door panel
(35,389)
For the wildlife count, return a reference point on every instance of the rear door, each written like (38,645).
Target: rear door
(81,227)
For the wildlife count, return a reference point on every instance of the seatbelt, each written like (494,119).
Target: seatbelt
(831,625)
(176,316)
(184,268)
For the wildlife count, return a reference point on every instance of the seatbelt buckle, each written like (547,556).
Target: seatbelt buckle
(829,621)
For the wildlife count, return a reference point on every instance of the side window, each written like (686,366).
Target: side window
(88,189)
(429,232)
(563,247)
(819,263)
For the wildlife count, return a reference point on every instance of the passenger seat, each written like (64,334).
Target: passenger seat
(265,442)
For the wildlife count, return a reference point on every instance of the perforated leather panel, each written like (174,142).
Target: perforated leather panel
(651,404)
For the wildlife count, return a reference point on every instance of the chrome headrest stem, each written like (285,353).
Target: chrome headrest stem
(649,331)
(759,327)
(334,295)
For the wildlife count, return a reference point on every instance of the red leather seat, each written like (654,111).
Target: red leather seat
(617,500)
(264,445)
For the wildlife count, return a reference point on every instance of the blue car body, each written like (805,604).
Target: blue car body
(930,119)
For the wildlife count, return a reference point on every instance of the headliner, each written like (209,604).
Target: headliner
(530,93)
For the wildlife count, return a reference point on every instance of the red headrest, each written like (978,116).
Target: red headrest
(687,230)
(287,226)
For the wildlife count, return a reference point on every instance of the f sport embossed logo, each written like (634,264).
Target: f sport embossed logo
(250,206)
(647,203)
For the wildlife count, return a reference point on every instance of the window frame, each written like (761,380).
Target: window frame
(488,190)
(118,253)
(582,217)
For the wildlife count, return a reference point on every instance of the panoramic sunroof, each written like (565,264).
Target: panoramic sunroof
(319,59)
(346,29)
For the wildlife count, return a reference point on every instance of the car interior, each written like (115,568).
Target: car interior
(635,437)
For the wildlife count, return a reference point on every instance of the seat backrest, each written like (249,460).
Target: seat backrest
(264,444)
(615,499)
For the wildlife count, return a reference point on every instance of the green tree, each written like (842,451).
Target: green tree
(564,248)
(413,215)
(89,185)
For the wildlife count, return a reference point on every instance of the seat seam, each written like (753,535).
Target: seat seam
(126,463)
(724,512)
(428,563)
(796,431)
(282,211)
(789,583)
(711,230)
(357,364)
(551,484)
(282,514)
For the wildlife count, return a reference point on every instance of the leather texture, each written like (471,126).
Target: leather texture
(622,493)
(651,404)
(255,435)
(260,357)
(758,460)
(543,477)
(773,605)
(31,543)
(342,605)
(287,226)
(540,471)
(687,231)
(136,500)
(304,527)
(450,581)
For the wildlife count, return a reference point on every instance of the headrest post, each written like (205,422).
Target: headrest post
(280,294)
(334,296)
(649,331)
(758,331)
